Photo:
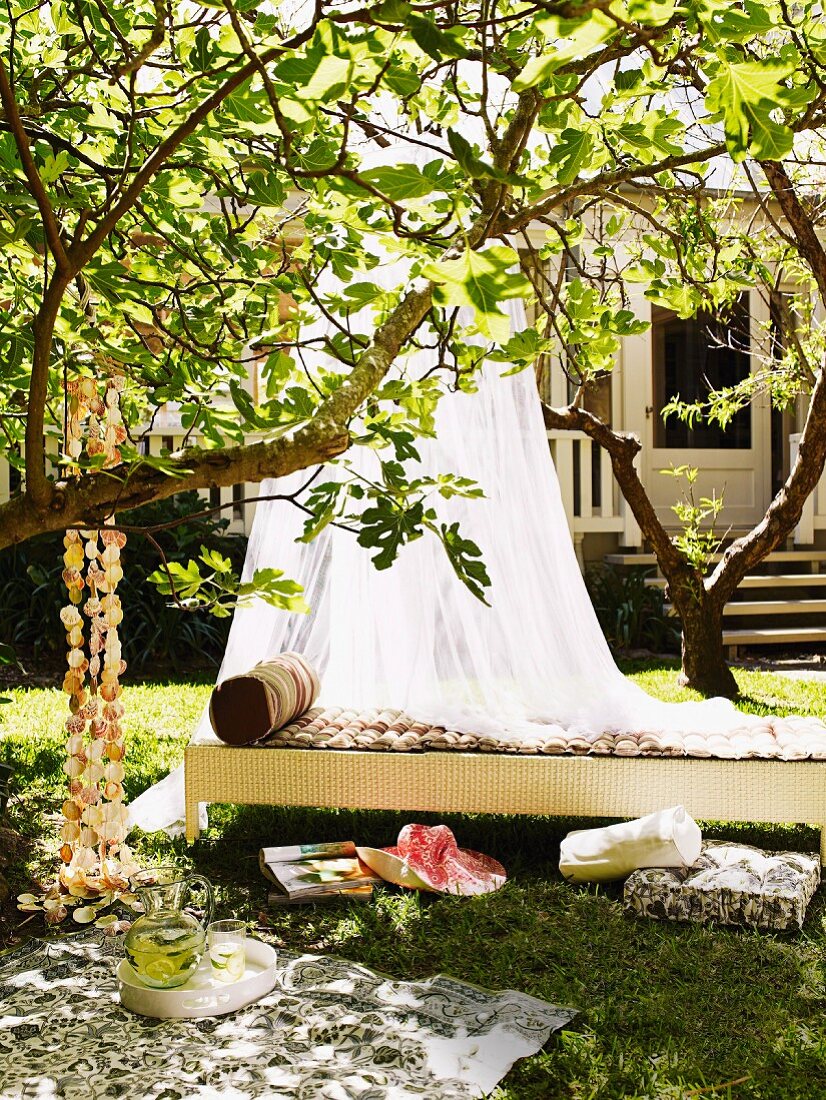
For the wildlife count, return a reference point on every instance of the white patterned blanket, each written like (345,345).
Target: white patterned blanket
(330,1030)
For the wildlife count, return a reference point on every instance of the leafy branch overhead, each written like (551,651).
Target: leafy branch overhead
(253,213)
(218,589)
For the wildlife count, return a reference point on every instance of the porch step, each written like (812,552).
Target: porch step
(795,598)
(767,607)
(766,580)
(803,556)
(774,635)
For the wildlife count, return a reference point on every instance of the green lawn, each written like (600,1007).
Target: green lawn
(666,1011)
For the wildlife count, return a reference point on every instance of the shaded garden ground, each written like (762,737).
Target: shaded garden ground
(666,1011)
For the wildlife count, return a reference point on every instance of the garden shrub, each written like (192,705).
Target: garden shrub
(156,634)
(631,612)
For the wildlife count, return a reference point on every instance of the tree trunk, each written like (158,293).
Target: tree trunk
(704,664)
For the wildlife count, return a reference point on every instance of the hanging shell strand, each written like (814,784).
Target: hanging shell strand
(94,855)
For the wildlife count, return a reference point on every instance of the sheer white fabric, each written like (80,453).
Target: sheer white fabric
(413,637)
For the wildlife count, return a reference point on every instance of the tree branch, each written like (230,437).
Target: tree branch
(82,251)
(153,42)
(38,487)
(35,183)
(785,510)
(91,499)
(800,221)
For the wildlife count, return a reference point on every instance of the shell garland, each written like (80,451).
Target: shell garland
(95,818)
(104,431)
(96,862)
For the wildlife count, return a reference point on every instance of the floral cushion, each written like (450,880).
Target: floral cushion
(729,884)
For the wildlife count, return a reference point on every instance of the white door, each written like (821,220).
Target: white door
(686,358)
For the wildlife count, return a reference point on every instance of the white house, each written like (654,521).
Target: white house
(745,465)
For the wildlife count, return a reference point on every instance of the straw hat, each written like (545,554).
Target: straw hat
(426,858)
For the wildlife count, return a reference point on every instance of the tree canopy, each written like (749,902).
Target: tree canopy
(176,177)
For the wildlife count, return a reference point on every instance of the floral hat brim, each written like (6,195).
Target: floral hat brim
(428,858)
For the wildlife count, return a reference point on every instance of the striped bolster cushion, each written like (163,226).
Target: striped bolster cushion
(245,708)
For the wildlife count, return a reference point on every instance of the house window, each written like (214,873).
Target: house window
(692,357)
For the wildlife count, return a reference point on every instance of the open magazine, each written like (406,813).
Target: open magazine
(316,872)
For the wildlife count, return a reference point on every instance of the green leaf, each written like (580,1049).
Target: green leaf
(54,167)
(466,559)
(317,76)
(323,503)
(391,11)
(388,526)
(403,81)
(480,280)
(436,43)
(685,300)
(738,24)
(216,560)
(138,312)
(571,153)
(521,350)
(200,55)
(743,94)
(652,13)
(272,586)
(265,189)
(465,154)
(572,39)
(404,182)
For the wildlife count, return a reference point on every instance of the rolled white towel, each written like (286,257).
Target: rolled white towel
(668,838)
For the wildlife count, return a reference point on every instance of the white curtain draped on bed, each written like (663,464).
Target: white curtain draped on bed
(413,637)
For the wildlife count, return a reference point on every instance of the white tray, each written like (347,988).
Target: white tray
(203,994)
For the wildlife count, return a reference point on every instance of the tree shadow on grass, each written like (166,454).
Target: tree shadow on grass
(664,1008)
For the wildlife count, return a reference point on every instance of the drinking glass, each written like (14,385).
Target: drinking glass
(226,949)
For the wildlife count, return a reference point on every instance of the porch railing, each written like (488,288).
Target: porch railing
(813,517)
(590,495)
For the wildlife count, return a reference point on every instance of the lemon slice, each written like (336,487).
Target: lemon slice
(235,965)
(160,970)
(229,958)
(220,956)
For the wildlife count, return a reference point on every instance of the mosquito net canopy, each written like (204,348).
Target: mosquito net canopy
(413,637)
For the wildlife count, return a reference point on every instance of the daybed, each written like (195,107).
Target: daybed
(384,760)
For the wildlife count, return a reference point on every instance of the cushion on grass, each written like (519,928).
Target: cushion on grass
(729,884)
(245,708)
(667,838)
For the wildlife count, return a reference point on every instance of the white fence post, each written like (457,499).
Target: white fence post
(586,484)
(804,533)
(562,449)
(606,483)
(631,533)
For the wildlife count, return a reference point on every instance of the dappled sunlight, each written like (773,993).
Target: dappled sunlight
(664,1008)
(325,1020)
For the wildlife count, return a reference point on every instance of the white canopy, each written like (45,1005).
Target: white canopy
(413,637)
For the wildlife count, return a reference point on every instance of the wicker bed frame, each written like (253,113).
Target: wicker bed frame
(485,782)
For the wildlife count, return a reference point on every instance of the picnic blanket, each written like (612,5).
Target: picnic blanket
(330,1030)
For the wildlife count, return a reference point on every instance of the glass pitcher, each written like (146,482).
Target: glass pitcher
(165,945)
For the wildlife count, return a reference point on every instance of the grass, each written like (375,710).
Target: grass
(666,1011)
